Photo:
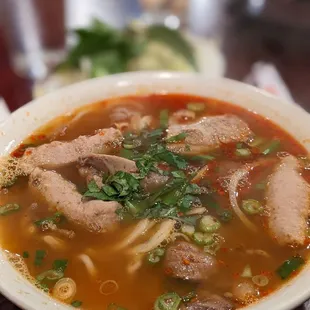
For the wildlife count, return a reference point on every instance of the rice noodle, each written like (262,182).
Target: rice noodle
(180,235)
(197,211)
(54,242)
(87,261)
(140,229)
(135,264)
(104,287)
(163,233)
(236,177)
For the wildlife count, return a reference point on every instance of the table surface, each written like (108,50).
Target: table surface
(244,40)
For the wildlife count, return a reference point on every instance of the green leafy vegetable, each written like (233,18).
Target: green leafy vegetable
(169,301)
(9,208)
(156,255)
(76,304)
(180,137)
(57,218)
(39,257)
(174,39)
(120,186)
(289,266)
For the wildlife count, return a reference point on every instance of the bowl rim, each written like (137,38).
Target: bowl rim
(134,78)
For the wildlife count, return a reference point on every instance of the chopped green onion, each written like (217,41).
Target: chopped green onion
(198,238)
(252,206)
(51,275)
(40,255)
(260,280)
(203,158)
(9,208)
(271,147)
(225,215)
(114,306)
(60,264)
(209,224)
(243,152)
(215,245)
(257,141)
(169,301)
(196,106)
(247,272)
(25,254)
(180,137)
(128,146)
(164,118)
(156,255)
(58,217)
(289,266)
(76,304)
(188,230)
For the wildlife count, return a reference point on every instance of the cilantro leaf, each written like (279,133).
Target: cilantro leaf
(180,137)
(60,264)
(39,257)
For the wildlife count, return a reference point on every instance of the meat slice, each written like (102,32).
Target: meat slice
(94,165)
(186,261)
(56,154)
(288,203)
(94,215)
(209,133)
(208,301)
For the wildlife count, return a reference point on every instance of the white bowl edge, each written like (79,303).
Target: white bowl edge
(35,114)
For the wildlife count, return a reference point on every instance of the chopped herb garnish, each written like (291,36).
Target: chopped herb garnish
(39,257)
(76,303)
(169,301)
(57,218)
(9,208)
(289,266)
(50,275)
(203,158)
(60,264)
(180,137)
(25,254)
(164,118)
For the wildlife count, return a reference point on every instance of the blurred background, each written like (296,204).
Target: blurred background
(46,44)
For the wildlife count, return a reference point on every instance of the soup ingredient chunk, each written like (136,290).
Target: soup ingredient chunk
(57,154)
(207,301)
(209,133)
(95,165)
(288,203)
(186,261)
(94,215)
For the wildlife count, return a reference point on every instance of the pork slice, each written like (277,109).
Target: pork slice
(94,215)
(94,165)
(209,133)
(208,301)
(57,154)
(287,201)
(186,261)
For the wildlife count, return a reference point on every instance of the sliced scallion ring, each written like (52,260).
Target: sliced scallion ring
(209,224)
(252,206)
(169,301)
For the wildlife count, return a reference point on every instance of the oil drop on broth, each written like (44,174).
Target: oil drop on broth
(157,202)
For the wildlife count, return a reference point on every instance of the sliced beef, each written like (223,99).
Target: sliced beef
(209,133)
(94,165)
(185,261)
(208,301)
(56,154)
(94,215)
(288,203)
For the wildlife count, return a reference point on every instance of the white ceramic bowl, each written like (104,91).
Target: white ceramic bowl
(24,121)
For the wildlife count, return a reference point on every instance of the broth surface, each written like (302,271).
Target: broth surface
(138,291)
